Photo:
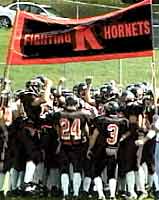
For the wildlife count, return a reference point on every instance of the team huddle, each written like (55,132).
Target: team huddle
(79,143)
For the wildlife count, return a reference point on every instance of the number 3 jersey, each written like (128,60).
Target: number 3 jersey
(111,129)
(71,126)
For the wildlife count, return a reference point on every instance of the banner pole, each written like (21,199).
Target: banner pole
(77,11)
(153,64)
(6,71)
(120,72)
(7,66)
(153,68)
(18,5)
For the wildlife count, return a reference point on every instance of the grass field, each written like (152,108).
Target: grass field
(134,69)
(108,2)
(68,9)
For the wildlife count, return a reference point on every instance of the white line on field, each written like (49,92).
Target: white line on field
(94,4)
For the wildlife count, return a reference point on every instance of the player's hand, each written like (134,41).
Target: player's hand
(89,154)
(122,139)
(88,80)
(62,80)
(48,82)
(139,142)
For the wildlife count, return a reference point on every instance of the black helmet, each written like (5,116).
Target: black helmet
(81,86)
(108,93)
(111,108)
(71,101)
(105,91)
(127,96)
(35,86)
(41,78)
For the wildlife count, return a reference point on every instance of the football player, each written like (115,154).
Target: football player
(37,92)
(5,122)
(72,129)
(110,130)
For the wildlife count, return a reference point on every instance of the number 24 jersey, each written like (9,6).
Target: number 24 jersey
(71,125)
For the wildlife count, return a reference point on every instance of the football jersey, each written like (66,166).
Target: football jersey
(33,112)
(149,112)
(133,108)
(70,125)
(111,129)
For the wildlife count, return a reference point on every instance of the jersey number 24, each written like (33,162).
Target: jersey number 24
(70,130)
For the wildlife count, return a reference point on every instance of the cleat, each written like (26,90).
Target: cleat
(65,197)
(112,198)
(75,198)
(84,195)
(122,195)
(55,192)
(102,198)
(131,197)
(143,196)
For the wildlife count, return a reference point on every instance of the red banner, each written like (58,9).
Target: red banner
(121,34)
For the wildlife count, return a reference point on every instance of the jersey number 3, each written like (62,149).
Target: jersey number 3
(69,130)
(113,134)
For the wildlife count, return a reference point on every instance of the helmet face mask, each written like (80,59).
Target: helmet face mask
(35,86)
(108,93)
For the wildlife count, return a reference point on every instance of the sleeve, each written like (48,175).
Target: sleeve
(52,118)
(157,124)
(124,125)
(97,123)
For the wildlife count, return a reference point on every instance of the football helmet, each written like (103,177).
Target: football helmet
(127,96)
(109,93)
(35,86)
(111,108)
(71,101)
(81,89)
(41,78)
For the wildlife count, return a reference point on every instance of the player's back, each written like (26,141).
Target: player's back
(111,129)
(71,125)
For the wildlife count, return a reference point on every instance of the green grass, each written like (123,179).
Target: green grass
(134,69)
(108,2)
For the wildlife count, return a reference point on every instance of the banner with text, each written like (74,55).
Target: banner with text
(120,34)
